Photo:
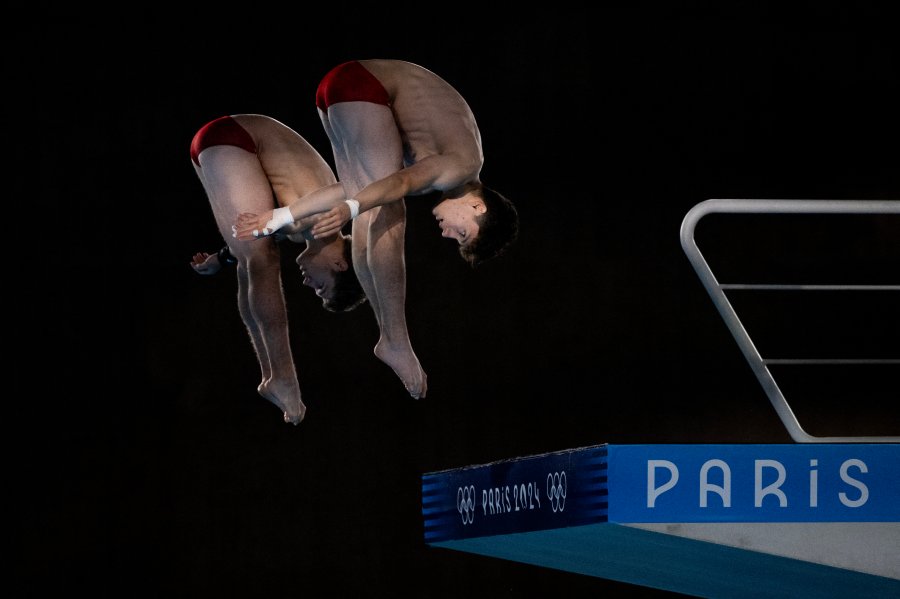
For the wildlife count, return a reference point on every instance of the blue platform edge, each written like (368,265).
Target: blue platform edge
(665,483)
(570,510)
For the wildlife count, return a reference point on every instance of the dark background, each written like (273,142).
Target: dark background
(146,464)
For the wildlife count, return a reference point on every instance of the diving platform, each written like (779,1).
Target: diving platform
(810,520)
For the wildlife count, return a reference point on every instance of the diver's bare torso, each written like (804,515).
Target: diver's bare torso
(433,118)
(293,167)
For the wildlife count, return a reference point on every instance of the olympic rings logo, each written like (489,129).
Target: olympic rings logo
(465,503)
(556,490)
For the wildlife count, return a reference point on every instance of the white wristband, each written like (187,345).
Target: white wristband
(354,208)
(280,218)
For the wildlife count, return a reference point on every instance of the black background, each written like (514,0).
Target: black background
(147,465)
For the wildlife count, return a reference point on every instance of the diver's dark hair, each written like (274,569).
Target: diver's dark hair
(348,293)
(498,227)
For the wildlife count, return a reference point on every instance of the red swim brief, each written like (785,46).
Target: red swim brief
(350,82)
(223,131)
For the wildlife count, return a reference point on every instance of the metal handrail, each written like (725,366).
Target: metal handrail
(716,291)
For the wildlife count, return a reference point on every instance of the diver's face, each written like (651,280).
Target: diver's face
(457,217)
(318,273)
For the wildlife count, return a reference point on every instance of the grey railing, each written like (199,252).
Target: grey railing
(758,364)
